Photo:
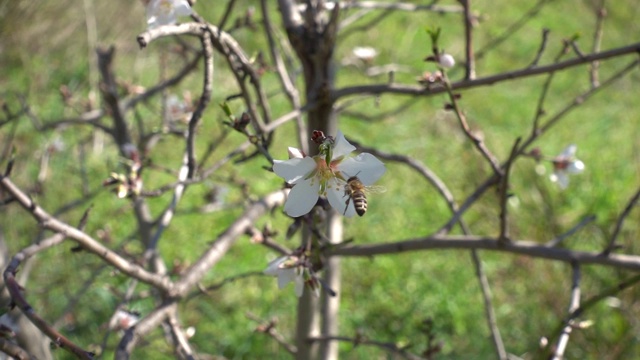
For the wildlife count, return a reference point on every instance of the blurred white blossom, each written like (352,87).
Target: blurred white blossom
(565,164)
(123,319)
(178,109)
(287,269)
(166,12)
(446,61)
(365,53)
(325,174)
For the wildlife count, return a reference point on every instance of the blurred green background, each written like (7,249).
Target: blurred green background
(45,45)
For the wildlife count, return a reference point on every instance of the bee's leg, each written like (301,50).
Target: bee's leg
(347,206)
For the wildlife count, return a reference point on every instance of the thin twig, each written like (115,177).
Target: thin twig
(285,78)
(15,290)
(616,231)
(448,197)
(477,141)
(403,89)
(522,247)
(504,193)
(134,334)
(416,165)
(601,13)
(492,180)
(223,243)
(560,238)
(83,239)
(543,46)
(512,29)
(574,304)
(269,328)
(589,303)
(470,64)
(498,344)
(13,350)
(543,94)
(180,339)
(207,89)
(227,14)
(388,346)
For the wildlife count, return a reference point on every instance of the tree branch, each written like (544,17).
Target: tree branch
(522,247)
(402,89)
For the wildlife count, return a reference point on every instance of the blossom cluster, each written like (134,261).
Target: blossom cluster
(326,174)
(166,12)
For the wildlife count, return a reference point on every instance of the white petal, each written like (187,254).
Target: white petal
(341,146)
(182,8)
(569,151)
(273,269)
(561,178)
(299,284)
(302,198)
(338,199)
(365,166)
(447,61)
(295,153)
(294,170)
(365,52)
(316,291)
(152,21)
(575,167)
(286,276)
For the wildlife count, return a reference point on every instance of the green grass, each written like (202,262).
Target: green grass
(384,298)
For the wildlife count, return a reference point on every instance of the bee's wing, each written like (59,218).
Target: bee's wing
(375,189)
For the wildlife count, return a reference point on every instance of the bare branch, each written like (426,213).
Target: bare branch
(579,100)
(401,89)
(418,166)
(181,342)
(498,344)
(196,272)
(109,90)
(522,247)
(470,65)
(269,328)
(16,296)
(402,6)
(543,46)
(559,239)
(601,13)
(83,239)
(504,193)
(574,304)
(616,231)
(13,350)
(207,89)
(390,347)
(477,141)
(589,303)
(135,333)
(513,29)
(283,74)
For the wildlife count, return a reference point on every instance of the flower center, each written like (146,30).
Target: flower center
(324,174)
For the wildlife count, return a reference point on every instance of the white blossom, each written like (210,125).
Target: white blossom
(446,61)
(166,12)
(123,319)
(565,164)
(287,270)
(365,53)
(177,109)
(315,176)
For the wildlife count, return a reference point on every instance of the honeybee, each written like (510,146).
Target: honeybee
(356,191)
